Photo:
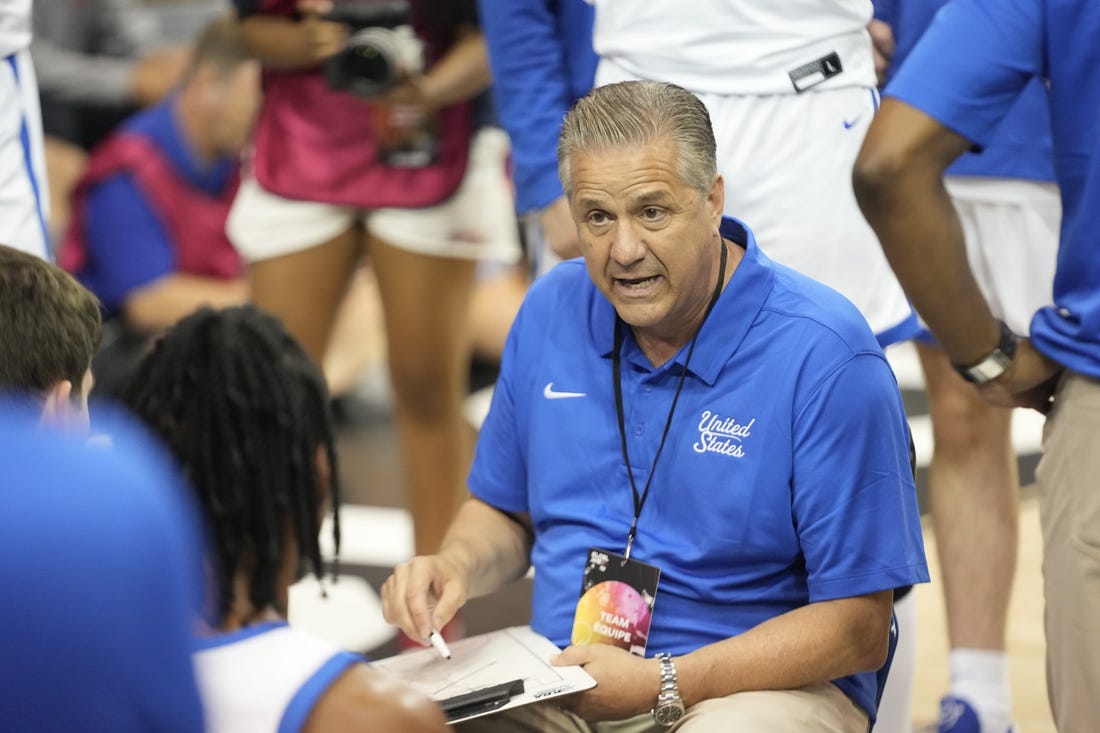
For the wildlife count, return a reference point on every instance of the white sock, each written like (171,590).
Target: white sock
(980,676)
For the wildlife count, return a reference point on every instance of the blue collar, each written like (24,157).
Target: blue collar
(725,328)
(161,124)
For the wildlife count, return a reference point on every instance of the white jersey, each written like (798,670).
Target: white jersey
(265,678)
(738,46)
(15,26)
(24,191)
(786,157)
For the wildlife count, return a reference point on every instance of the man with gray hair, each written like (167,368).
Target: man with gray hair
(707,445)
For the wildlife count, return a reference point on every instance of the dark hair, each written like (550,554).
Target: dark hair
(245,411)
(50,325)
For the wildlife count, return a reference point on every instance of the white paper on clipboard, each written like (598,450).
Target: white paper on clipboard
(486,660)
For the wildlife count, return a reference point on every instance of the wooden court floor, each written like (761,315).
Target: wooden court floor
(1026,646)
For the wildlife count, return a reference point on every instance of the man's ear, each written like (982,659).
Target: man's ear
(57,410)
(716,200)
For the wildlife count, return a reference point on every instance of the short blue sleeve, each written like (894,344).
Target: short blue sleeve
(854,499)
(885,11)
(972,63)
(128,244)
(541,55)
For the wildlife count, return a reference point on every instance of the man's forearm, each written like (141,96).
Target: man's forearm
(492,548)
(809,645)
(899,185)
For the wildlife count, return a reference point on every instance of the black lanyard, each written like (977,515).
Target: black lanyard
(616,370)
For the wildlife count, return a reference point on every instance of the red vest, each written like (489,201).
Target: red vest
(315,144)
(195,220)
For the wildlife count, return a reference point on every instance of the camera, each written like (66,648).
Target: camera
(381,50)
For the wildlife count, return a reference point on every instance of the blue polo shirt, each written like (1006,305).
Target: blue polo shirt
(1019,147)
(101,582)
(785,478)
(1007,44)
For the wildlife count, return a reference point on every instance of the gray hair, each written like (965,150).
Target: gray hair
(639,113)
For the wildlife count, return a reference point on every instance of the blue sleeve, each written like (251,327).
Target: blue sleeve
(854,499)
(532,86)
(885,10)
(128,245)
(970,66)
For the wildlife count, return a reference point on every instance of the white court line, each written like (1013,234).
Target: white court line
(369,535)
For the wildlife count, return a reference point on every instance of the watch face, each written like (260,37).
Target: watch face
(668,713)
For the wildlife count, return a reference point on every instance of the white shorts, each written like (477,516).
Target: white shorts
(787,162)
(477,222)
(24,193)
(1012,230)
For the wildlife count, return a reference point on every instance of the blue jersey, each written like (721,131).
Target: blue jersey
(1007,44)
(100,585)
(1020,147)
(542,59)
(784,480)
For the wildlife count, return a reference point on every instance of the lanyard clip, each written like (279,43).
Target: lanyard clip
(629,544)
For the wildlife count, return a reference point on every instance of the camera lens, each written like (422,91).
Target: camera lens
(367,63)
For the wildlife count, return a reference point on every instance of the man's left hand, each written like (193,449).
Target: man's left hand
(626,684)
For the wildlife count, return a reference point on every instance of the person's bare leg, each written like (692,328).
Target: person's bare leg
(426,306)
(304,289)
(496,301)
(358,341)
(974,491)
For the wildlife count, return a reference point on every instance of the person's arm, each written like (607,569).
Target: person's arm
(125,69)
(461,74)
(363,699)
(532,90)
(942,100)
(898,181)
(483,550)
(281,42)
(813,644)
(159,304)
(134,262)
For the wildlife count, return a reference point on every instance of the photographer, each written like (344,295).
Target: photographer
(325,192)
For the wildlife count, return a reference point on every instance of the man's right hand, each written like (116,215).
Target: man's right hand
(321,39)
(1030,381)
(424,594)
(559,229)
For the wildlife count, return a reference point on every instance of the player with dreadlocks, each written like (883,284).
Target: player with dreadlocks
(245,412)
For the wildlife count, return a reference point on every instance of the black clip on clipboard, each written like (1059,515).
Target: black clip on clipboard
(480,701)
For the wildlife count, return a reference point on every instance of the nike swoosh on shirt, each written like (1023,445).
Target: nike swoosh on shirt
(849,125)
(549,393)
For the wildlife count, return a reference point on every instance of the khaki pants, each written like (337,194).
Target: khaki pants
(819,708)
(1068,477)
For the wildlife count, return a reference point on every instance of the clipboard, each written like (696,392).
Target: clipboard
(488,673)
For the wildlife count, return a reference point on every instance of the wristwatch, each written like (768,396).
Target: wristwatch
(669,707)
(995,362)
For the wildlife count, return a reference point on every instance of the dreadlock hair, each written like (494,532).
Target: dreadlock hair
(244,410)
